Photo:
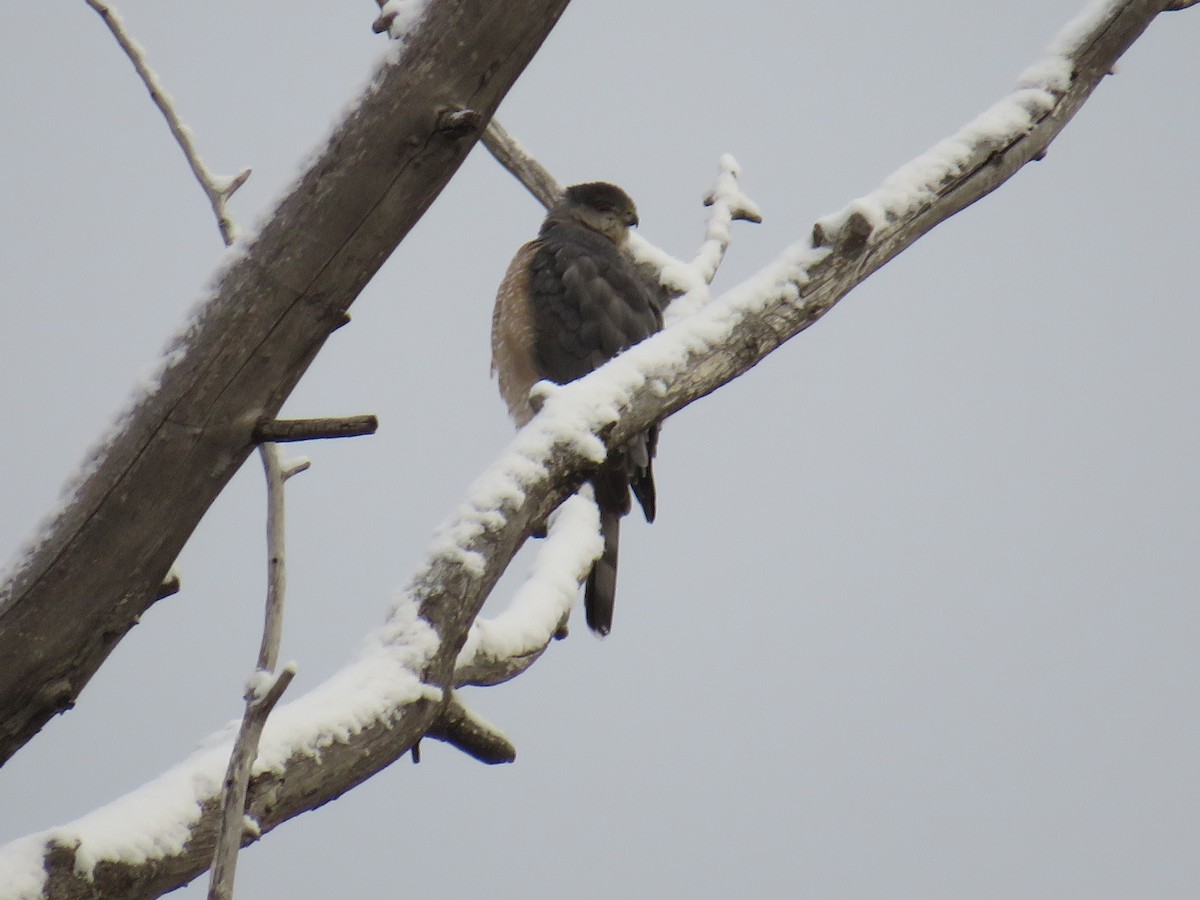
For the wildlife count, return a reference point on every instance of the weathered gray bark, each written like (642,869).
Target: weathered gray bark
(102,561)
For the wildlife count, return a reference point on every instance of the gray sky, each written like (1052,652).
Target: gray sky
(918,617)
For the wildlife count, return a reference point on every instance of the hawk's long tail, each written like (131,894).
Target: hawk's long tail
(627,467)
(600,593)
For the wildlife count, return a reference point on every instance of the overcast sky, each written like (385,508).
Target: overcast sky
(919,615)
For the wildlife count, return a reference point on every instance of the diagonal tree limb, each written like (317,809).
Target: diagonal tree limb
(97,565)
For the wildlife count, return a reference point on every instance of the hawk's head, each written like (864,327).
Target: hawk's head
(600,206)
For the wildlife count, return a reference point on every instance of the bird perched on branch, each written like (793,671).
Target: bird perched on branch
(570,301)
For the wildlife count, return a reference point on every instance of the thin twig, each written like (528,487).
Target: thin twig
(262,693)
(218,188)
(268,652)
(284,430)
(263,690)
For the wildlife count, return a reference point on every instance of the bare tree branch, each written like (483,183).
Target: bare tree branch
(265,687)
(261,696)
(509,153)
(218,188)
(274,475)
(96,566)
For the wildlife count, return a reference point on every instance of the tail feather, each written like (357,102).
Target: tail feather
(642,482)
(639,468)
(600,593)
(628,467)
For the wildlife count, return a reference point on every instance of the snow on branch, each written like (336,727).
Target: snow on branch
(218,188)
(502,648)
(690,282)
(379,705)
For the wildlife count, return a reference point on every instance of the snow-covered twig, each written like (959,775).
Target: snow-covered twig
(729,204)
(689,282)
(265,686)
(218,188)
(368,714)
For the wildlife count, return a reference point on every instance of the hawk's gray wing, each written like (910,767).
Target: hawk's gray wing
(589,303)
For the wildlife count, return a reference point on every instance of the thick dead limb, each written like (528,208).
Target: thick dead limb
(97,566)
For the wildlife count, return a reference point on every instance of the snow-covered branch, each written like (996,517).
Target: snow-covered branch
(379,705)
(218,188)
(502,648)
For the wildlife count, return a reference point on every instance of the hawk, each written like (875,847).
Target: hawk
(570,301)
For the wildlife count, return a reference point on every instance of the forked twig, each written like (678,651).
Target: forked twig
(218,188)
